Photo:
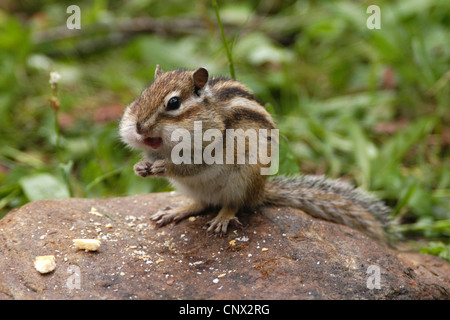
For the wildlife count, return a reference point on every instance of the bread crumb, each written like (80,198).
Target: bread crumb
(87,244)
(192,218)
(45,264)
(95,212)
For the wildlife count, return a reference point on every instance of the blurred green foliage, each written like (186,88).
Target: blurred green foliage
(371,106)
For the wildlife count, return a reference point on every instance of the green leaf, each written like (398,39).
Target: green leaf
(66,168)
(287,161)
(404,199)
(361,147)
(394,150)
(438,249)
(43,186)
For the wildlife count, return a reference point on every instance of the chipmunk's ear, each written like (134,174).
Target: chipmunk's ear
(158,71)
(200,78)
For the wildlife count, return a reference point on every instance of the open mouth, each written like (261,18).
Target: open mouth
(154,143)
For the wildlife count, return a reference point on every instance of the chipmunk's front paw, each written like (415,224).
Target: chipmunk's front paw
(145,168)
(142,168)
(158,168)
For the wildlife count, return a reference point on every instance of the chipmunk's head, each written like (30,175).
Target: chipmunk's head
(173,100)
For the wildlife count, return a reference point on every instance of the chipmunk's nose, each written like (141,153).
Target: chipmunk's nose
(139,128)
(153,142)
(146,129)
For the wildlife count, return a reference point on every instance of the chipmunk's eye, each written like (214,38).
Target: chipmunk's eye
(174,103)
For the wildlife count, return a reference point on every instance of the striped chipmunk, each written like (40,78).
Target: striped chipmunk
(212,139)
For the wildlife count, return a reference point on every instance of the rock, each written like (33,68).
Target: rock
(279,253)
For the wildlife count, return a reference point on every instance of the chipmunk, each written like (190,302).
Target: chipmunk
(180,99)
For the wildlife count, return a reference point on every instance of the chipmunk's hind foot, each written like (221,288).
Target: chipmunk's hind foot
(219,224)
(163,217)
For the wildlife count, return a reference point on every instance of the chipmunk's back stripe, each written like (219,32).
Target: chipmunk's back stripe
(229,93)
(213,81)
(241,114)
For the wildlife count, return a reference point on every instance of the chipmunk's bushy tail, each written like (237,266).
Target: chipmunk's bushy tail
(330,200)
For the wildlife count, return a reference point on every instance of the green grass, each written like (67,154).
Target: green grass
(370,106)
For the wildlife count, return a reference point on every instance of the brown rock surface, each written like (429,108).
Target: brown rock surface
(280,253)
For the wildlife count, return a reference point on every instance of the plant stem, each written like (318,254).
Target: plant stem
(64,167)
(57,132)
(224,40)
(55,104)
